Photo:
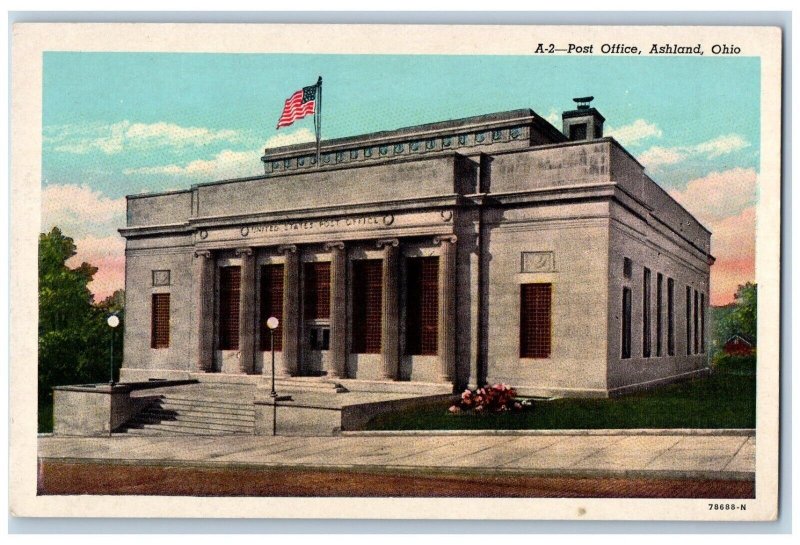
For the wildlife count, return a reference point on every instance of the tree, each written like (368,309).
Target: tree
(64,296)
(74,340)
(745,311)
(739,317)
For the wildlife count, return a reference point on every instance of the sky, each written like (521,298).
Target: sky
(116,124)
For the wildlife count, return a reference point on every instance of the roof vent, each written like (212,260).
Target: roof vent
(583,102)
(584,122)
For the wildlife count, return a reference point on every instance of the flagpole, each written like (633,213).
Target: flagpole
(318,119)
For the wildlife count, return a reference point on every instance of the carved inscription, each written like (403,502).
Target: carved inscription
(360,222)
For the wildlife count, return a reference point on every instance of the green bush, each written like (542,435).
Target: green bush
(735,364)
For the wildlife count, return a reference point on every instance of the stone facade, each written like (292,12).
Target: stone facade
(502,201)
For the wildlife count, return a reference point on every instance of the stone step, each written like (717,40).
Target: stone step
(188,417)
(215,408)
(201,407)
(303,384)
(200,415)
(395,386)
(191,425)
(205,401)
(227,378)
(156,429)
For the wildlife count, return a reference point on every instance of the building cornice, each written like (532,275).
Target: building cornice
(418,132)
(154,230)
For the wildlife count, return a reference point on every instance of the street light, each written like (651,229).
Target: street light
(113,322)
(272,324)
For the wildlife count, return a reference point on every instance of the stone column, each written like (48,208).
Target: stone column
(390,311)
(447,307)
(247,307)
(338,348)
(204,310)
(290,362)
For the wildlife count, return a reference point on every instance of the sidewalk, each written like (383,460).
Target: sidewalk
(667,456)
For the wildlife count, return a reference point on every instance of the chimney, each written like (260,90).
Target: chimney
(584,122)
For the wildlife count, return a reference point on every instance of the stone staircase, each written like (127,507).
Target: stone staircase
(191,411)
(304,384)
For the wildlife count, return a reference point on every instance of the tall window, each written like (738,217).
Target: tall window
(646,341)
(317,291)
(670,316)
(534,323)
(422,305)
(688,321)
(626,322)
(159,322)
(367,300)
(703,323)
(229,283)
(659,310)
(696,329)
(271,304)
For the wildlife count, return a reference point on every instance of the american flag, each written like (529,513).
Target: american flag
(299,105)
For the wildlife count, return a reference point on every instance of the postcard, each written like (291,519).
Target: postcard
(395,271)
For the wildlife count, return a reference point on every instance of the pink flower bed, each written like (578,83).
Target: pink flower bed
(497,398)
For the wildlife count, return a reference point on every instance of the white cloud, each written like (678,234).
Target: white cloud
(91,219)
(725,203)
(226,164)
(733,243)
(554,117)
(108,255)
(633,133)
(719,195)
(733,237)
(658,156)
(79,210)
(288,138)
(114,138)
(722,145)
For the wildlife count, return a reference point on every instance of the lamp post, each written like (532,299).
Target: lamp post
(113,322)
(272,324)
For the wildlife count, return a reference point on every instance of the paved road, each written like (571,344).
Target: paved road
(678,456)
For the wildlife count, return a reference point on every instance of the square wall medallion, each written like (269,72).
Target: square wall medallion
(160,278)
(533,262)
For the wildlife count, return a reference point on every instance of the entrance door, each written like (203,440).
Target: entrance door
(315,338)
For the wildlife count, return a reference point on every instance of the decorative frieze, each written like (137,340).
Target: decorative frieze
(401,148)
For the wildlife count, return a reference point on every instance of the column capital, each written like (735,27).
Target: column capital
(394,242)
(290,248)
(438,239)
(203,253)
(243,251)
(335,244)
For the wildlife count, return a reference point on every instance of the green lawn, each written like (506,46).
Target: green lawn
(726,399)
